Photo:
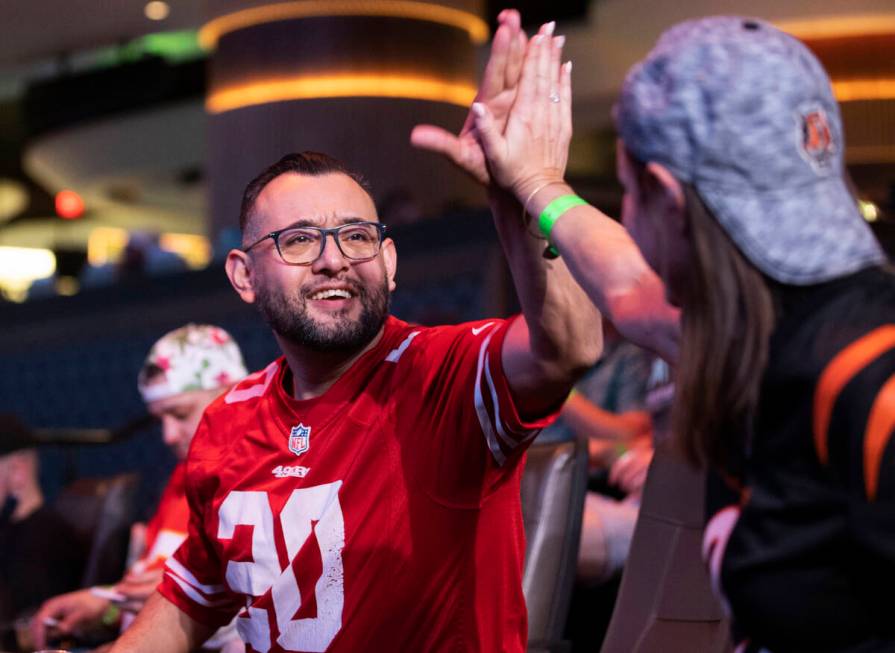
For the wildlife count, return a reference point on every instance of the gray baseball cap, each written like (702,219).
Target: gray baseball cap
(746,114)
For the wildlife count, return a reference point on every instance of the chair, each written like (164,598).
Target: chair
(665,603)
(100,512)
(554,483)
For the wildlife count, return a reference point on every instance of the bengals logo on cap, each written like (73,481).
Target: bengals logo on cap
(816,143)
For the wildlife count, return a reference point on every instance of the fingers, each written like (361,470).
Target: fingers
(565,94)
(38,628)
(48,613)
(555,62)
(488,135)
(515,59)
(617,468)
(70,621)
(464,151)
(544,57)
(495,70)
(511,18)
(555,110)
(528,83)
(436,139)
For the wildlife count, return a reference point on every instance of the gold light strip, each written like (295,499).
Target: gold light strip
(849,90)
(332,86)
(212,31)
(830,27)
(870,154)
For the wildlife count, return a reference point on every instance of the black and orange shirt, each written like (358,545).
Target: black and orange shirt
(805,557)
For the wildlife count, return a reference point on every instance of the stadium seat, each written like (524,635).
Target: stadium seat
(665,603)
(553,487)
(100,512)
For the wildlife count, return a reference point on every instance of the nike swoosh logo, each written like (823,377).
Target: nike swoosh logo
(477,330)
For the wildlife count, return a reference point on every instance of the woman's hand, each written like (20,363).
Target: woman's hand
(497,92)
(533,148)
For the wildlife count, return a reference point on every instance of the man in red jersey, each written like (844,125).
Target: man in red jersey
(185,370)
(362,491)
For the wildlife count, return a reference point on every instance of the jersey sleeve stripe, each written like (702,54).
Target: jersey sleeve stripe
(839,371)
(192,593)
(482,411)
(880,425)
(179,570)
(509,435)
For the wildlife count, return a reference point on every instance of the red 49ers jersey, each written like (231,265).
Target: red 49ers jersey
(168,527)
(383,515)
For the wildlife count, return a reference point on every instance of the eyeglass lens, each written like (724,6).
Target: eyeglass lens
(303,244)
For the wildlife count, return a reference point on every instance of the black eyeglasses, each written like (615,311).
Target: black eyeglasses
(358,241)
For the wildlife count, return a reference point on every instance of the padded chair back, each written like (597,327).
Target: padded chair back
(100,512)
(665,603)
(553,487)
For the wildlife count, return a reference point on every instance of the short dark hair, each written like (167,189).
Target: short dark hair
(312,164)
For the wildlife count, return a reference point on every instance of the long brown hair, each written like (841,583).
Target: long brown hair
(727,319)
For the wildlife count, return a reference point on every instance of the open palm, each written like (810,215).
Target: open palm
(497,92)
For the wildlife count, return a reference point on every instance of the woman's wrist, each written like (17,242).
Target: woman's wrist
(527,191)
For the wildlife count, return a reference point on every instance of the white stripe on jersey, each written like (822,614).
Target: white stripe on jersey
(192,593)
(183,572)
(241,393)
(514,438)
(395,354)
(482,411)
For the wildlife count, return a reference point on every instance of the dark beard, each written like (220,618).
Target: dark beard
(288,317)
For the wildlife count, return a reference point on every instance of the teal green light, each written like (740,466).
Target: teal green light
(174,47)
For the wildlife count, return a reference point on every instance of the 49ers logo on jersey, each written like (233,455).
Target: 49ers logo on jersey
(299,439)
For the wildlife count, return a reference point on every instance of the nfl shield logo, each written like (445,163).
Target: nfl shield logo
(299,439)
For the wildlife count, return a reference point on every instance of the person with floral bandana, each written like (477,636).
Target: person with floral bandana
(183,373)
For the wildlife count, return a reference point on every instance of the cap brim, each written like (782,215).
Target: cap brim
(797,236)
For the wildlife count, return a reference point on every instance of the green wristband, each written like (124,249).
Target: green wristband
(111,616)
(554,211)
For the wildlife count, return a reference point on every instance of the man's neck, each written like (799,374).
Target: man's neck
(313,371)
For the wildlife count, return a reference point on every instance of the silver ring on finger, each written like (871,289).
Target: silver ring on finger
(554,97)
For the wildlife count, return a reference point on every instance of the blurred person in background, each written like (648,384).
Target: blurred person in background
(608,408)
(612,408)
(738,212)
(183,373)
(38,557)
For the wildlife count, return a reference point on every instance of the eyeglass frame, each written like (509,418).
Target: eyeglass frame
(325,232)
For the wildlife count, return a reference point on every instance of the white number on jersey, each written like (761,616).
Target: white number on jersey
(306,505)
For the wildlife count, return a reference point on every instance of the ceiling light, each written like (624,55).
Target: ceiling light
(156,10)
(20,267)
(13,199)
(396,85)
(469,22)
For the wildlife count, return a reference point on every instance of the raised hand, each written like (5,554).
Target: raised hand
(532,148)
(497,92)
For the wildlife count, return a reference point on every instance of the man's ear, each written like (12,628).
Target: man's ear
(671,194)
(239,270)
(390,259)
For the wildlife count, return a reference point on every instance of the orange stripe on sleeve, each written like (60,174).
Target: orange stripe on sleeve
(880,425)
(838,372)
